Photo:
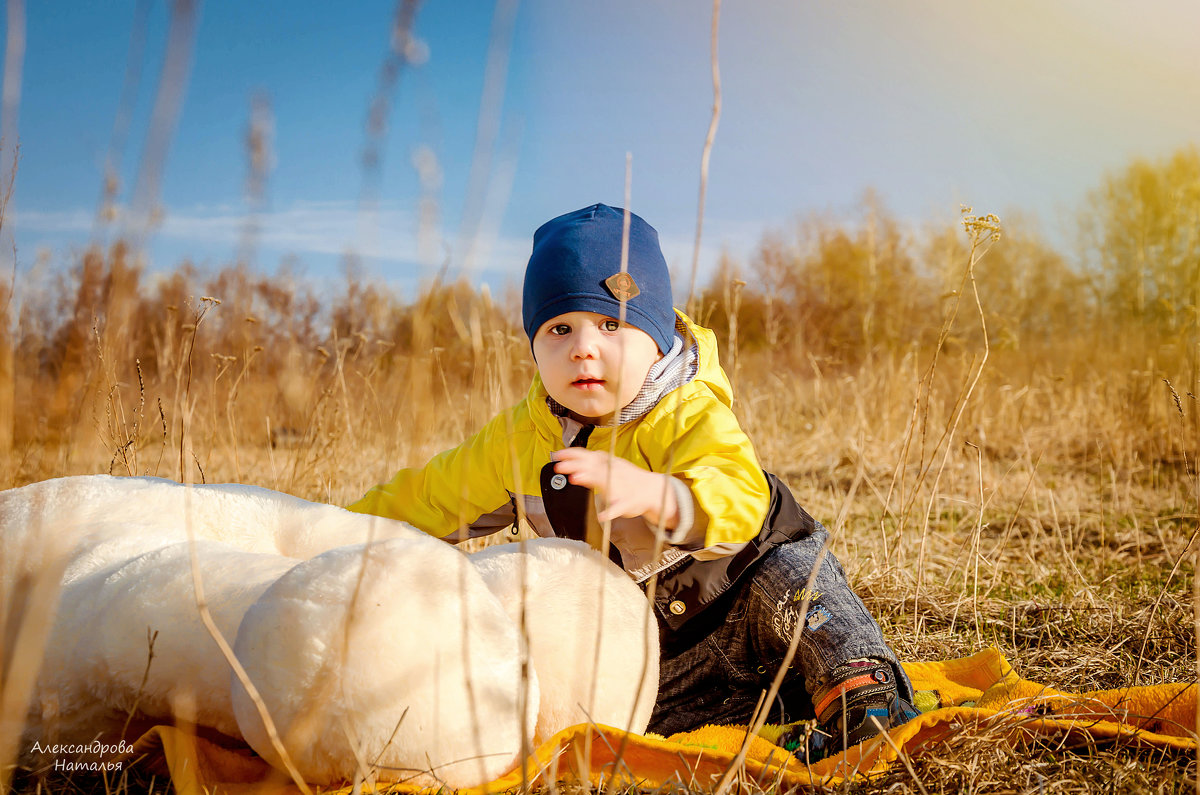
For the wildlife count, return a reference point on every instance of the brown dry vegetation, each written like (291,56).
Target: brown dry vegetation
(1004,437)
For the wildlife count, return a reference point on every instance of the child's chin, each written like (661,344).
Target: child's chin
(586,409)
(594,414)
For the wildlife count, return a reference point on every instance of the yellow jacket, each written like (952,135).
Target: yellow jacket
(691,433)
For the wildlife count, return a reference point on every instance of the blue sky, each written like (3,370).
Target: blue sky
(1020,105)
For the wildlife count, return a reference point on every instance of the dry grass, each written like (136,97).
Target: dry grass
(1027,477)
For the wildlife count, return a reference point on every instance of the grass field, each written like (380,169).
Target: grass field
(1004,439)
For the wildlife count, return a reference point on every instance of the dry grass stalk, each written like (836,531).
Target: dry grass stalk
(707,151)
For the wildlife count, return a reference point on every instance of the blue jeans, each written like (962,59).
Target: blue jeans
(714,669)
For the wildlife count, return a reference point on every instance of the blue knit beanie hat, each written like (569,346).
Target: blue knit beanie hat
(576,267)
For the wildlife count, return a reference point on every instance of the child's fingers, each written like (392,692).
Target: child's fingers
(585,478)
(582,464)
(568,462)
(576,455)
(613,509)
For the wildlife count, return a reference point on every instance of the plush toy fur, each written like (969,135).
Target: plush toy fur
(98,650)
(70,516)
(371,643)
(394,653)
(592,638)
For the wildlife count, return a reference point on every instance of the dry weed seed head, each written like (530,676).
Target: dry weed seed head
(980,228)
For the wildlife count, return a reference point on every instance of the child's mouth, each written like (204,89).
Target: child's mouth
(588,383)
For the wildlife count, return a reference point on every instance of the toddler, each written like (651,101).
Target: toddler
(681,486)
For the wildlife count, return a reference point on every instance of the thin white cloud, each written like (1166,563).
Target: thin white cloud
(331,228)
(386,235)
(65,222)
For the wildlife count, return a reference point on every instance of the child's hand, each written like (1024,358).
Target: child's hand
(629,491)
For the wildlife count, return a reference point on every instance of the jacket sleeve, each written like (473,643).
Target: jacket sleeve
(457,490)
(714,457)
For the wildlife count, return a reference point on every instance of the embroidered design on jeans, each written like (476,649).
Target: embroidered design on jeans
(812,595)
(817,618)
(784,617)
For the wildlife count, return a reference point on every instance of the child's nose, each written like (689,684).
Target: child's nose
(584,345)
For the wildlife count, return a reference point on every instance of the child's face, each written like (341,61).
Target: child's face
(591,364)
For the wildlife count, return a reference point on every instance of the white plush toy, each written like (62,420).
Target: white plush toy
(592,638)
(72,515)
(123,546)
(96,658)
(375,647)
(393,655)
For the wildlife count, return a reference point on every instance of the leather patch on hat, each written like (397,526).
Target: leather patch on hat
(622,286)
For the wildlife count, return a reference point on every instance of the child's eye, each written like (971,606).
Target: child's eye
(560,330)
(610,325)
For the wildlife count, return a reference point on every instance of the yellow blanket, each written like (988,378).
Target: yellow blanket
(980,693)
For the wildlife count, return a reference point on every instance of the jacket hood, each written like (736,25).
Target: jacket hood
(710,371)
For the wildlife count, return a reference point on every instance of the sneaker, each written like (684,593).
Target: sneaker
(859,701)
